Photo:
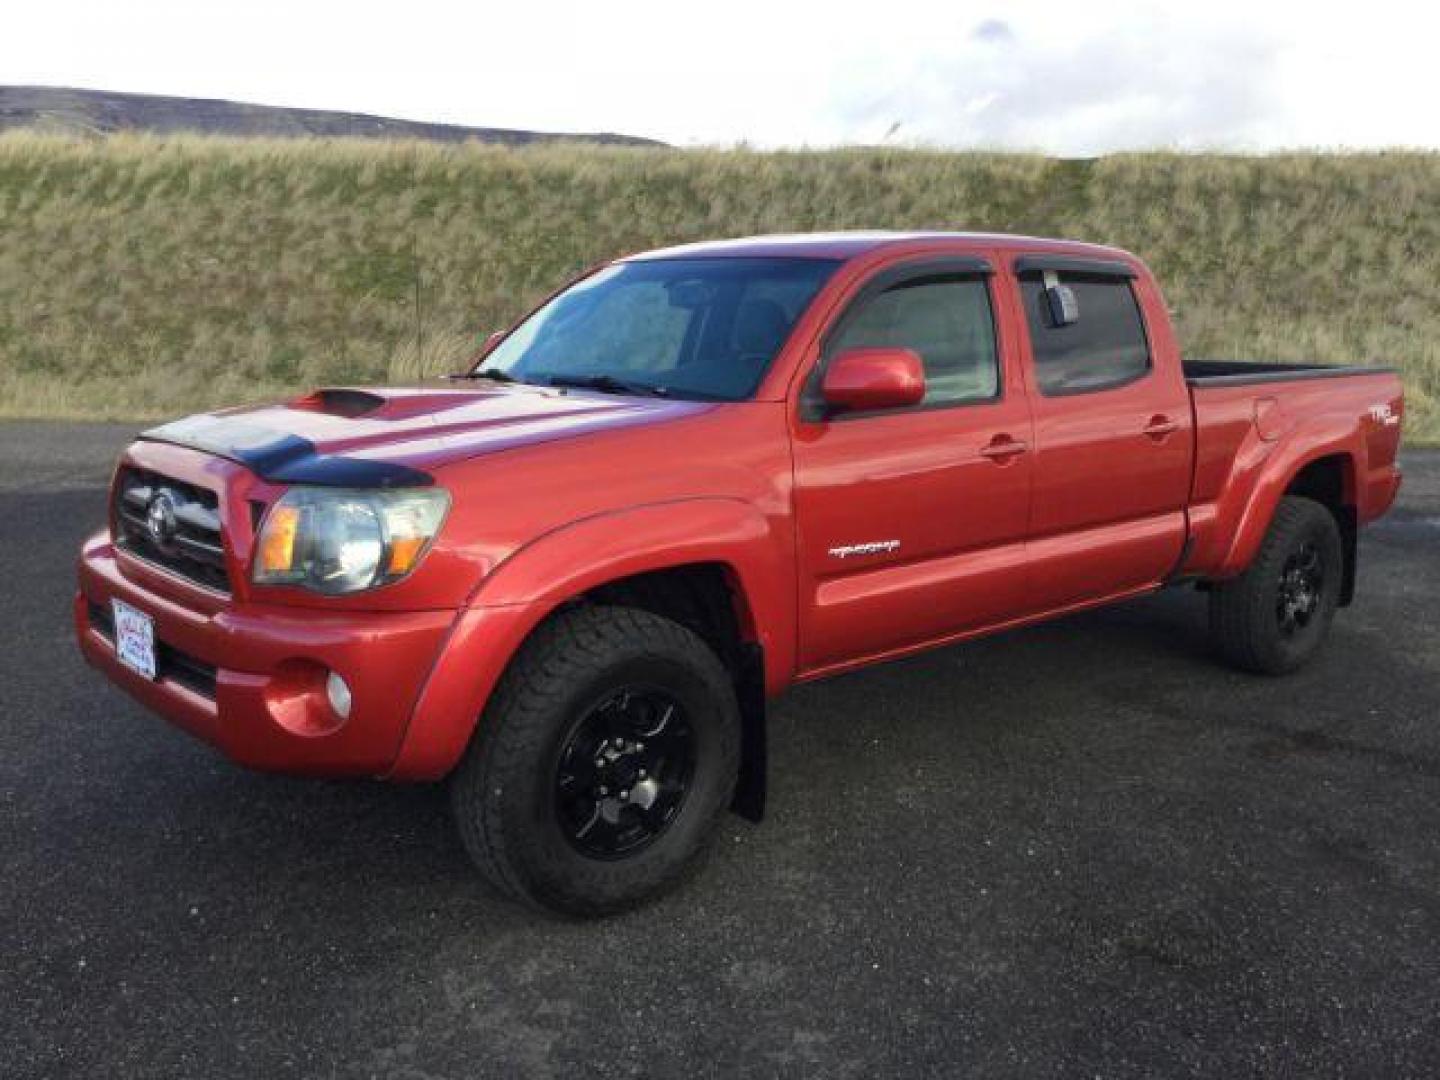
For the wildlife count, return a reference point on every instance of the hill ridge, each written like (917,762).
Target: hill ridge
(80,111)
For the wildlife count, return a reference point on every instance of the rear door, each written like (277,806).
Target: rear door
(1112,435)
(912,521)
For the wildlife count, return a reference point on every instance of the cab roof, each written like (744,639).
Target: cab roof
(848,245)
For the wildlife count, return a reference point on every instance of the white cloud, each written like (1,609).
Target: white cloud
(1077,77)
(1137,81)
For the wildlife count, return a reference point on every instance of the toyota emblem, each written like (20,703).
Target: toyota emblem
(160,519)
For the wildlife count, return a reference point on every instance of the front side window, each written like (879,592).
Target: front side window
(1103,347)
(947,321)
(705,328)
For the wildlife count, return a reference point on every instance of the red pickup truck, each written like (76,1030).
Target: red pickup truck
(569,579)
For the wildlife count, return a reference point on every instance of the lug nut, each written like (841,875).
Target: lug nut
(640,773)
(624,796)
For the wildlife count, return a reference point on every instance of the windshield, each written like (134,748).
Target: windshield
(687,328)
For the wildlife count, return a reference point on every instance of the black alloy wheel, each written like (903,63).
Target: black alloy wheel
(1302,584)
(624,772)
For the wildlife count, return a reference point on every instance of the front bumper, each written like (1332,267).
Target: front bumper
(250,679)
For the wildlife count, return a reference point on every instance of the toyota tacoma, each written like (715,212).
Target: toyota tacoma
(568,579)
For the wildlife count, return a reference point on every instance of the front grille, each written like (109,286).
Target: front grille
(172,524)
(170,662)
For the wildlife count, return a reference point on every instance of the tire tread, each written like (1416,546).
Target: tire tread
(572,645)
(1240,623)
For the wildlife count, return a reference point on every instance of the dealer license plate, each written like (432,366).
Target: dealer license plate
(134,638)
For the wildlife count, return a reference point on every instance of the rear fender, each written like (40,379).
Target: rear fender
(1247,509)
(561,565)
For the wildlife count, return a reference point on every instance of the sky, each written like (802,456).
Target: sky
(1077,78)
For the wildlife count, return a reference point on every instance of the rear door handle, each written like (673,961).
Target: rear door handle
(1003,448)
(1160,426)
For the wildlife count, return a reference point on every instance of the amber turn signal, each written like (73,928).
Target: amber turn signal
(277,542)
(405,553)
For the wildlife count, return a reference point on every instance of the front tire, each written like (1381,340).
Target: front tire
(600,770)
(1275,616)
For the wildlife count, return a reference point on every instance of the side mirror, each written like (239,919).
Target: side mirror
(859,380)
(1063,306)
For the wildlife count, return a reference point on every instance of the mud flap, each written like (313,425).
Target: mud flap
(749,801)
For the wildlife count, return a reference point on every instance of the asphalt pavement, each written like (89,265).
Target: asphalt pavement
(1083,849)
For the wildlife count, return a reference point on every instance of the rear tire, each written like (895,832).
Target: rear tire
(1275,616)
(600,770)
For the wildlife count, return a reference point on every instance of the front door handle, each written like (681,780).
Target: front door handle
(1002,448)
(1160,426)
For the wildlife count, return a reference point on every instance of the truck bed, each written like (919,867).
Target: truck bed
(1256,423)
(1247,372)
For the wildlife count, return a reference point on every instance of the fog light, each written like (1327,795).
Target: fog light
(338,691)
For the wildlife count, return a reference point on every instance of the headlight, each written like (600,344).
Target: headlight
(338,540)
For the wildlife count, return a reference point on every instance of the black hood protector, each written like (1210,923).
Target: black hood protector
(281,457)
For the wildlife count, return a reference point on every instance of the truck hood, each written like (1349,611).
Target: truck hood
(369,437)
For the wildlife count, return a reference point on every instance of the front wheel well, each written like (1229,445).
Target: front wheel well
(1330,481)
(702,597)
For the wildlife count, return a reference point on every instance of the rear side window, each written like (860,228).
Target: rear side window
(1104,347)
(947,321)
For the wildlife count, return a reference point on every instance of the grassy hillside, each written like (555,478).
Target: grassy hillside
(142,277)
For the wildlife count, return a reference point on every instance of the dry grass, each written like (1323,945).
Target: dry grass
(144,277)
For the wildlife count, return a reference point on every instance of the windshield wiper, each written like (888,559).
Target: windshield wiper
(494,374)
(608,384)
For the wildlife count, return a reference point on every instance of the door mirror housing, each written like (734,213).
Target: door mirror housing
(862,380)
(1063,306)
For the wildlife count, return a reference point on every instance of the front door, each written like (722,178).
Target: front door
(912,522)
